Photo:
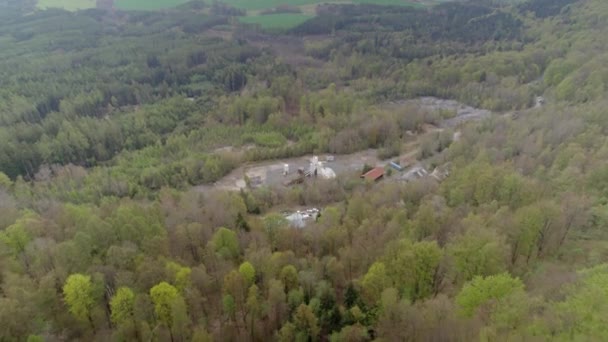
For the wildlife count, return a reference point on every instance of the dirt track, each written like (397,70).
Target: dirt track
(271,172)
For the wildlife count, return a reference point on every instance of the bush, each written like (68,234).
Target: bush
(270,139)
(366,168)
(391,149)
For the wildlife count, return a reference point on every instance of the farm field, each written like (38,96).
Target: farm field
(282,20)
(288,20)
(254,7)
(142,5)
(70,5)
(147,5)
(264,4)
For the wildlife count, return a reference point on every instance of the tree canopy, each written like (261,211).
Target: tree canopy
(142,195)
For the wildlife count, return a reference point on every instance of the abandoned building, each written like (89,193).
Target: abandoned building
(374,174)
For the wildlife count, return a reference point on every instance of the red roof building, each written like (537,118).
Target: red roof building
(374,174)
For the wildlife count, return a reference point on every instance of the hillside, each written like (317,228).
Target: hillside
(160,179)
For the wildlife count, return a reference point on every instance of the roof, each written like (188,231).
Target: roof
(374,174)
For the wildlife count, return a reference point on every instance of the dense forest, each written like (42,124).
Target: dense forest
(115,125)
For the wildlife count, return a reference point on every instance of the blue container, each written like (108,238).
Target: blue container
(395,166)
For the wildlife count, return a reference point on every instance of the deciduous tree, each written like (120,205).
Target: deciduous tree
(225,243)
(79,296)
(484,290)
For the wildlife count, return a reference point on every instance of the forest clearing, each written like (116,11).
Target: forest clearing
(271,173)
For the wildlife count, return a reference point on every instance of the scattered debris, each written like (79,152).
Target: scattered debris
(294,181)
(256,181)
(414,173)
(440,174)
(315,169)
(419,171)
(300,219)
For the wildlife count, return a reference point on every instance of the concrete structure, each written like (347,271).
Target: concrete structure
(326,173)
(540,101)
(314,165)
(317,169)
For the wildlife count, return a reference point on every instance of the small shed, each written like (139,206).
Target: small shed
(374,174)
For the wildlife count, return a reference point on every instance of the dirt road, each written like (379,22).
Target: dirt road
(271,172)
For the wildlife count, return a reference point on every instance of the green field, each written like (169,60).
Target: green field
(252,5)
(147,5)
(144,5)
(263,4)
(70,5)
(287,20)
(282,20)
